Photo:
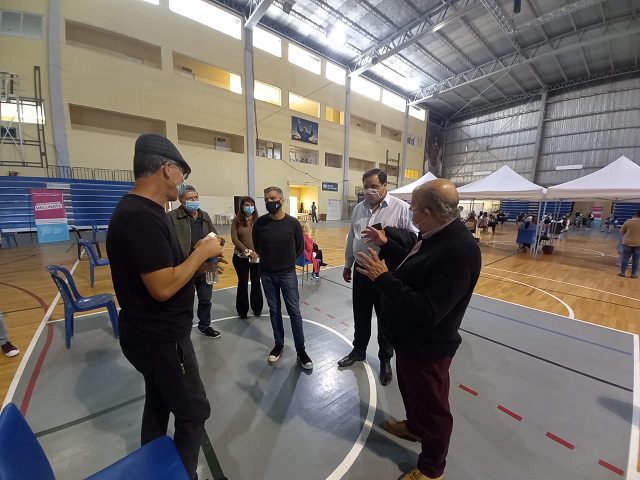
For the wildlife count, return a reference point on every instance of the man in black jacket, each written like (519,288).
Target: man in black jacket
(424,300)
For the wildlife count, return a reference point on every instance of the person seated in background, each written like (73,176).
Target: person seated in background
(308,251)
(493,221)
(501,217)
(471,222)
(7,347)
(526,234)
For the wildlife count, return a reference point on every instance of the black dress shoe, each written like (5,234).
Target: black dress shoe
(386,374)
(350,359)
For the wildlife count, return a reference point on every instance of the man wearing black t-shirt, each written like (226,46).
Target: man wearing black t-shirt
(278,240)
(153,282)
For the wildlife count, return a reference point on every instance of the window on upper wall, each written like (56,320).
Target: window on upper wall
(303,155)
(267,93)
(366,88)
(267,41)
(334,115)
(394,101)
(20,24)
(391,133)
(414,140)
(335,73)
(304,105)
(417,113)
(265,148)
(209,15)
(359,123)
(411,174)
(332,160)
(203,72)
(304,59)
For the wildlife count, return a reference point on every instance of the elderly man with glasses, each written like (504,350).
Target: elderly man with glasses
(153,281)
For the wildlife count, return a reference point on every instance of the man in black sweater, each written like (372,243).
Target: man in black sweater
(278,240)
(423,302)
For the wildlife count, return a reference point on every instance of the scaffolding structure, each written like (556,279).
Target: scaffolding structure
(15,126)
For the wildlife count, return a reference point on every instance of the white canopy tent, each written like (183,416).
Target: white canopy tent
(503,184)
(620,180)
(405,191)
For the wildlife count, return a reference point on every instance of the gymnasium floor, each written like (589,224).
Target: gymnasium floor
(535,394)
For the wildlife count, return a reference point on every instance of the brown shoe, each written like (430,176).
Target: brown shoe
(400,430)
(416,474)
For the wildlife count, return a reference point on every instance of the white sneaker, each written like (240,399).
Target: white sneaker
(274,354)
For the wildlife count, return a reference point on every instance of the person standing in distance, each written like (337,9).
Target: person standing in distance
(278,240)
(379,209)
(314,212)
(192,224)
(153,282)
(423,302)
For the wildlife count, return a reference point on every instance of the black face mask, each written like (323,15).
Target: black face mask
(272,207)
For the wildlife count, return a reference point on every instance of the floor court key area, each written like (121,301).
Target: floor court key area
(534,395)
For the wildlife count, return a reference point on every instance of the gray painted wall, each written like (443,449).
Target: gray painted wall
(590,127)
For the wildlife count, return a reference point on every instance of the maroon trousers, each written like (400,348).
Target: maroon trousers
(425,392)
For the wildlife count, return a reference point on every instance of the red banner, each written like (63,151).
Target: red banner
(50,215)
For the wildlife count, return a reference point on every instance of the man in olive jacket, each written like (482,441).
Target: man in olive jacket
(423,301)
(192,224)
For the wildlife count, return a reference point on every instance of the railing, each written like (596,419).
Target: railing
(85,173)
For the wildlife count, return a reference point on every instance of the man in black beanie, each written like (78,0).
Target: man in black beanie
(153,281)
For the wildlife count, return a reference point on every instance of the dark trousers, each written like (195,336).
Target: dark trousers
(314,217)
(365,297)
(424,387)
(170,389)
(204,292)
(244,269)
(287,283)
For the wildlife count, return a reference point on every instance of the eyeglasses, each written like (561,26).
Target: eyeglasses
(184,175)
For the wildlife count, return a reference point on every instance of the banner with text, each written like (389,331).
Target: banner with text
(50,215)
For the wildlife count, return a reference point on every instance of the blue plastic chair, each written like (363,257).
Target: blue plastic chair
(526,236)
(74,302)
(21,456)
(94,259)
(9,236)
(304,263)
(95,230)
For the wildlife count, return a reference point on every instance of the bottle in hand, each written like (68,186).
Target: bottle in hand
(211,274)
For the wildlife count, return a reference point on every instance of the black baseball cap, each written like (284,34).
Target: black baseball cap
(155,144)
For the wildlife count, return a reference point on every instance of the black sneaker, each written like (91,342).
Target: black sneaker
(210,332)
(274,354)
(304,360)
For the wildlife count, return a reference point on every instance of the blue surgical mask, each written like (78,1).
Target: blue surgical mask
(191,205)
(248,209)
(182,187)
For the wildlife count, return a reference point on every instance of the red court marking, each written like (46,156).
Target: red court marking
(561,441)
(613,468)
(42,303)
(36,371)
(306,303)
(468,390)
(317,309)
(510,413)
(330,316)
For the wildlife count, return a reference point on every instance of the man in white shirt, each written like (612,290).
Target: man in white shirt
(379,210)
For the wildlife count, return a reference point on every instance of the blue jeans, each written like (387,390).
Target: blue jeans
(273,284)
(204,292)
(632,253)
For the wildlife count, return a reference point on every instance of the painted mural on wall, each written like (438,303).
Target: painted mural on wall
(304,130)
(434,152)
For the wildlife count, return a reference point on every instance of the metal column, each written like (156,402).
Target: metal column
(345,154)
(55,87)
(539,137)
(250,111)
(405,135)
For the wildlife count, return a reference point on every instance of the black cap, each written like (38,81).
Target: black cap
(158,145)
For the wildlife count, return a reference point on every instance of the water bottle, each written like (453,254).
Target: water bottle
(211,273)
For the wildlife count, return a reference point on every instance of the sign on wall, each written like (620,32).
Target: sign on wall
(304,130)
(50,215)
(329,187)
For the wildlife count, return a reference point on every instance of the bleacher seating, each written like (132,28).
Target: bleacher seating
(624,211)
(514,207)
(85,201)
